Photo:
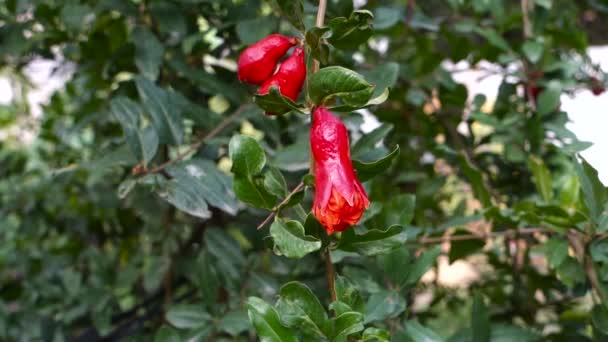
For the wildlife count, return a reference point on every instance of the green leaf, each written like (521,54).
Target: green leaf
(347,324)
(382,76)
(266,322)
(300,309)
(480,320)
(493,38)
(384,305)
(294,157)
(348,294)
(204,178)
(181,193)
(395,264)
(293,10)
(367,171)
(318,48)
(373,241)
(368,141)
(277,104)
(376,335)
(290,239)
(187,316)
(533,50)
(161,106)
(476,180)
(424,262)
(248,157)
(542,177)
(400,210)
(371,102)
(148,52)
(252,191)
(350,33)
(253,30)
(549,98)
(556,251)
(143,142)
(595,194)
(208,279)
(599,317)
(419,333)
(336,81)
(274,182)
(227,252)
(234,323)
(570,272)
(386,17)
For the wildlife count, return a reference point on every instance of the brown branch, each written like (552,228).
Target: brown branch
(331,274)
(277,207)
(509,233)
(578,241)
(197,144)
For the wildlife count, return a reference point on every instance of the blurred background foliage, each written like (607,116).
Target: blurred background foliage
(96,243)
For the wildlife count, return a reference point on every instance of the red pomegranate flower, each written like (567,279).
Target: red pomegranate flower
(339,196)
(258,61)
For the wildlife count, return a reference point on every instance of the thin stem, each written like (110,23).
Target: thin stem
(197,144)
(331,275)
(320,22)
(277,207)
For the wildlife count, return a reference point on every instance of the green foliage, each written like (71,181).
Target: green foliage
(157,201)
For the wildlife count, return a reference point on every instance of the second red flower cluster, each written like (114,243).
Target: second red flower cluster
(340,199)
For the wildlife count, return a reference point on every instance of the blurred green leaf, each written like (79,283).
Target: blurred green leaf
(383,305)
(542,177)
(165,116)
(316,40)
(419,333)
(376,335)
(549,98)
(480,320)
(347,324)
(148,52)
(595,194)
(293,10)
(187,316)
(143,142)
(373,241)
(366,171)
(352,32)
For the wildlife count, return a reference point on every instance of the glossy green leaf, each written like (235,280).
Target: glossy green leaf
(248,157)
(293,10)
(352,32)
(556,251)
(376,335)
(234,323)
(274,182)
(252,191)
(148,52)
(347,324)
(367,171)
(300,309)
(336,81)
(384,305)
(386,17)
(275,103)
(348,293)
(143,142)
(266,322)
(184,196)
(161,106)
(290,239)
(187,316)
(373,241)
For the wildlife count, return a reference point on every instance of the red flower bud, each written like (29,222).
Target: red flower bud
(259,60)
(597,87)
(290,77)
(339,196)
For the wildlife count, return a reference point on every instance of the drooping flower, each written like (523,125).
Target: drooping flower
(339,196)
